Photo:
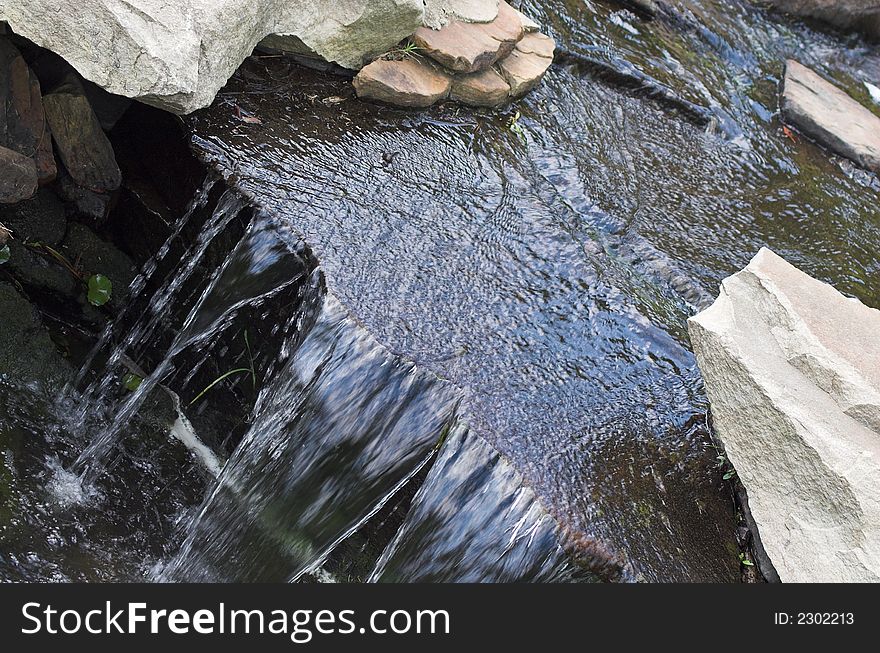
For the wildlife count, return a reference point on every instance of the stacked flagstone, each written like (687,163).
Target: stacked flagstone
(477,64)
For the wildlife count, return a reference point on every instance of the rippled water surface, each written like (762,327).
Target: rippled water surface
(490,322)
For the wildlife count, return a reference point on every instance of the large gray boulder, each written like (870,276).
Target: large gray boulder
(177,55)
(861,15)
(792,370)
(828,115)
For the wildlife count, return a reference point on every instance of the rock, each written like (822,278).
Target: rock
(484,89)
(44,157)
(97,256)
(28,354)
(108,108)
(39,219)
(525,66)
(830,116)
(470,47)
(39,274)
(528,24)
(23,126)
(407,83)
(83,203)
(860,15)
(178,55)
(646,8)
(441,12)
(82,144)
(18,177)
(792,370)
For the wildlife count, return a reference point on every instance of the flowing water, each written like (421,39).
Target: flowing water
(450,350)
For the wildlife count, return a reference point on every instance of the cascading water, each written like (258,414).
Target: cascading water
(341,427)
(90,462)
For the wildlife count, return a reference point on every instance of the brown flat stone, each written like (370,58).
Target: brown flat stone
(470,47)
(18,176)
(82,144)
(525,66)
(537,43)
(405,83)
(483,89)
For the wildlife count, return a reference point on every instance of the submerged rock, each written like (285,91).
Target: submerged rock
(471,47)
(82,144)
(830,116)
(407,83)
(792,370)
(861,15)
(178,55)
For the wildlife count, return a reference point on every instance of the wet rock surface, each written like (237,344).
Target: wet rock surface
(542,261)
(97,256)
(792,369)
(461,246)
(830,116)
(28,354)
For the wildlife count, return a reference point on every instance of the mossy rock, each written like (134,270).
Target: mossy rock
(39,219)
(97,256)
(27,354)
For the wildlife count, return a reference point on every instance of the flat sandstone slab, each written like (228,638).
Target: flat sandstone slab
(407,83)
(830,116)
(525,66)
(792,370)
(471,47)
(484,89)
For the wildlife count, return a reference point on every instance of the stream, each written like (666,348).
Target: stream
(450,344)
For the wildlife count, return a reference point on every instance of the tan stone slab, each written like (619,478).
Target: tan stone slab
(470,47)
(483,89)
(525,66)
(830,116)
(792,370)
(406,83)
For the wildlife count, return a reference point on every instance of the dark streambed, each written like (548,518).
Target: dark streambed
(492,315)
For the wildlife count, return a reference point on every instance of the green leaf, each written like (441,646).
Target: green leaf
(748,563)
(4,254)
(729,475)
(100,290)
(132,381)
